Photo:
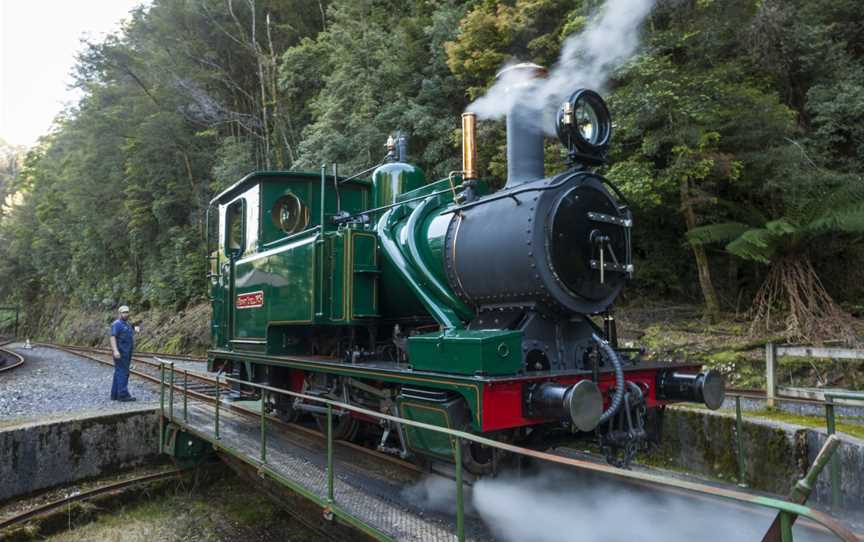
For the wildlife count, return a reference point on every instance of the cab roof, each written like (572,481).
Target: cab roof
(258,176)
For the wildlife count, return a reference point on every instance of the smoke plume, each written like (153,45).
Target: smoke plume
(555,505)
(587,60)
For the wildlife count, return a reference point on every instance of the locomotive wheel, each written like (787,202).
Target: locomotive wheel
(477,458)
(288,415)
(482,460)
(344,427)
(283,408)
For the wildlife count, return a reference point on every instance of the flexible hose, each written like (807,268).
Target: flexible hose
(610,354)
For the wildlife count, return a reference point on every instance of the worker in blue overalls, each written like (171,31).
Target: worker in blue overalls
(122,342)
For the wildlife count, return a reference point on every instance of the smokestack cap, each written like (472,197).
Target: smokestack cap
(529,69)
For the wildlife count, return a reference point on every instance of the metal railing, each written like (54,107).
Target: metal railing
(787,512)
(774,351)
(830,429)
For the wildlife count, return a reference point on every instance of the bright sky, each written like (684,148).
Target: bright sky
(38,43)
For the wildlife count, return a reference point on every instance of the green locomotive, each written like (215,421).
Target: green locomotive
(441,301)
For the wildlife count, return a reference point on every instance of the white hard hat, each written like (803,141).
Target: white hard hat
(123,308)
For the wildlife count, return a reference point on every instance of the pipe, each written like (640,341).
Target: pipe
(413,227)
(615,360)
(336,189)
(708,388)
(469,146)
(401,147)
(320,242)
(442,314)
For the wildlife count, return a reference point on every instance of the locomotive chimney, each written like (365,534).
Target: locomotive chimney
(524,134)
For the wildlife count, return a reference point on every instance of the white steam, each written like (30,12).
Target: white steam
(561,505)
(434,494)
(587,61)
(556,505)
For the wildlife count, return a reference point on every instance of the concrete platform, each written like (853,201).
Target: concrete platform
(39,455)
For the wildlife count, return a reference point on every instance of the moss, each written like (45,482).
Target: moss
(174,344)
(225,508)
(816,422)
(76,444)
(703,443)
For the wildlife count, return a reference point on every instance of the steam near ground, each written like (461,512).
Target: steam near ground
(587,60)
(555,505)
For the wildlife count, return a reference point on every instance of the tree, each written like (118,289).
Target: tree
(831,204)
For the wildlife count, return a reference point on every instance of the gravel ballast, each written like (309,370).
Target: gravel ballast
(55,383)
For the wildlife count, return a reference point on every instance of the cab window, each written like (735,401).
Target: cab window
(234,229)
(289,214)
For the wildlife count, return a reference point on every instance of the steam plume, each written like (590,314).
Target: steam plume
(587,60)
(553,504)
(556,505)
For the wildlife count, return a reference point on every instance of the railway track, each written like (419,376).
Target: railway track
(9,360)
(107,351)
(202,386)
(86,495)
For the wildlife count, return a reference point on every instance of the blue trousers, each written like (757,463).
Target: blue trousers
(120,386)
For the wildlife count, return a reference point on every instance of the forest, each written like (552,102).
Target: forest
(738,140)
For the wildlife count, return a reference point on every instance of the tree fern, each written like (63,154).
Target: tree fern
(758,244)
(716,233)
(849,219)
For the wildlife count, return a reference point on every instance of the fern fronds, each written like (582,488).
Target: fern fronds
(758,244)
(716,233)
(849,219)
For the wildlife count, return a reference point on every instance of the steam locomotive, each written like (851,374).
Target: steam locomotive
(444,302)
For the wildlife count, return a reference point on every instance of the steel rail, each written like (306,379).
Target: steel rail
(18,359)
(783,507)
(816,517)
(88,494)
(285,426)
(155,379)
(104,350)
(760,395)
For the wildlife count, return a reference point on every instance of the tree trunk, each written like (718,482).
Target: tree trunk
(712,306)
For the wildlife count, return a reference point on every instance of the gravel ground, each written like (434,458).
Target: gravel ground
(52,382)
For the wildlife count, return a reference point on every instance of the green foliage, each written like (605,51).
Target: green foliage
(755,109)
(374,70)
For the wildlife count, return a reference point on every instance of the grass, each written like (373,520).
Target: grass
(816,422)
(774,414)
(225,509)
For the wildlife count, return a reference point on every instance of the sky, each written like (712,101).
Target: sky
(38,43)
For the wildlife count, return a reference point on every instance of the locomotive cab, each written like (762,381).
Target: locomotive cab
(269,254)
